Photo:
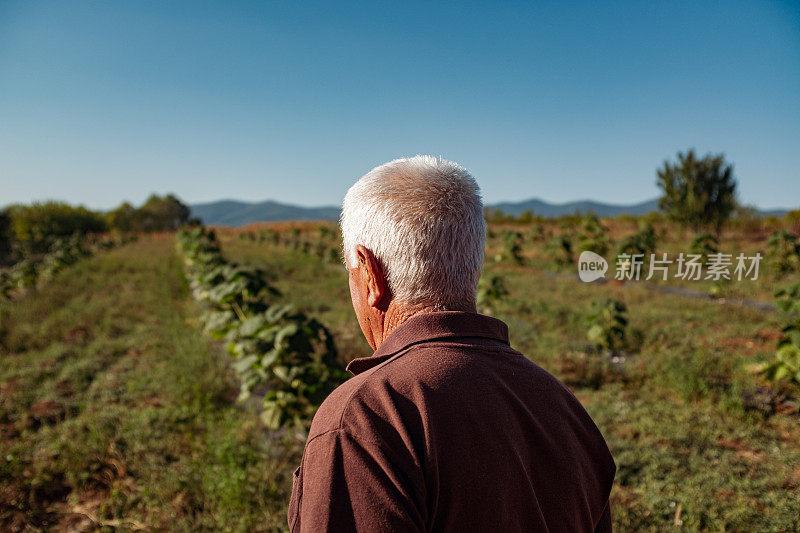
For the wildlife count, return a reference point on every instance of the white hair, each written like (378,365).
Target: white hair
(422,218)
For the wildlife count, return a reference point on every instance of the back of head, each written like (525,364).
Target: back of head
(422,217)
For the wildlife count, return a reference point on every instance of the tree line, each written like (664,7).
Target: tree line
(33,229)
(698,193)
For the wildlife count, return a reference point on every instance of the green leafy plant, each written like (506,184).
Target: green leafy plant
(24,274)
(642,242)
(704,244)
(607,325)
(593,236)
(332,256)
(603,360)
(28,273)
(719,288)
(491,291)
(783,252)
(786,365)
(289,355)
(63,254)
(560,250)
(293,356)
(512,247)
(537,232)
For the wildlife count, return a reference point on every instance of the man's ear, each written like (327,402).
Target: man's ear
(372,276)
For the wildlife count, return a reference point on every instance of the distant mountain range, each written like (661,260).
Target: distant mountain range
(540,207)
(236,213)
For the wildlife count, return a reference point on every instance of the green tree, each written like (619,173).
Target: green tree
(123,218)
(161,214)
(158,213)
(697,193)
(526,217)
(37,226)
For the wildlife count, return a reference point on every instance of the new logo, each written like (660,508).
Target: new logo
(591,266)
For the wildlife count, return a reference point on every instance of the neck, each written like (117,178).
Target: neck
(391,319)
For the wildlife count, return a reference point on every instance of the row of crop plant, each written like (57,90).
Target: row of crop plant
(286,355)
(322,243)
(37,270)
(782,250)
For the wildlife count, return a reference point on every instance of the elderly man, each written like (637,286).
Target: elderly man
(445,427)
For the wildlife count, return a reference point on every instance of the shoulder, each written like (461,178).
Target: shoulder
(365,399)
(348,396)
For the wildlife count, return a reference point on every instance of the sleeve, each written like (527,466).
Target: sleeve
(349,485)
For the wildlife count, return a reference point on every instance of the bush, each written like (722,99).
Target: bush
(783,252)
(593,236)
(642,242)
(603,360)
(512,247)
(38,226)
(560,250)
(704,244)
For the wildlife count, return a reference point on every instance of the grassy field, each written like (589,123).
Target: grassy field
(690,451)
(116,412)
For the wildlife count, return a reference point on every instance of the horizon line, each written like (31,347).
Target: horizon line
(534,198)
(337,206)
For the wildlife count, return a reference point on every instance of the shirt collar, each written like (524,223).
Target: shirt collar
(426,327)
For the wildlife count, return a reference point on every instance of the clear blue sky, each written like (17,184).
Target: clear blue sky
(108,101)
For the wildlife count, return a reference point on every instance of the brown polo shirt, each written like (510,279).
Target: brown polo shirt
(446,428)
